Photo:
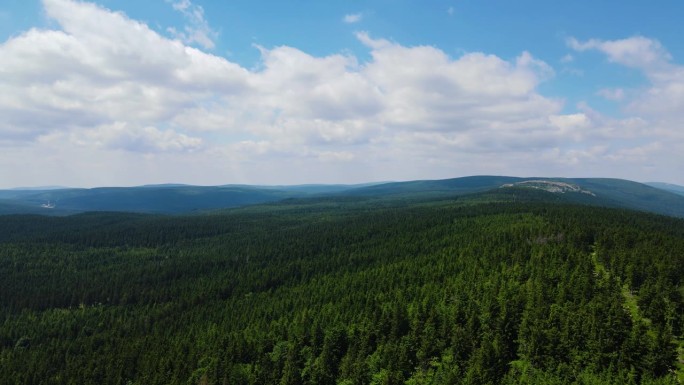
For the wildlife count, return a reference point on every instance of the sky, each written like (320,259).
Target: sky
(209,92)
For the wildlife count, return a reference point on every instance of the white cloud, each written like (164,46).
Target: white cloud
(568,122)
(614,94)
(198,30)
(638,52)
(639,153)
(352,18)
(181,5)
(372,43)
(103,93)
(299,85)
(332,156)
(567,59)
(664,96)
(451,11)
(431,91)
(121,136)
(103,67)
(648,141)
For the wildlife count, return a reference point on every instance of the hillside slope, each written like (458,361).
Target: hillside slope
(442,292)
(167,199)
(668,187)
(593,191)
(177,199)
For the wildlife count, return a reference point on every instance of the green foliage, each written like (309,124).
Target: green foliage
(358,291)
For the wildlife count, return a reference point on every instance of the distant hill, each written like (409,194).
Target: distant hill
(147,199)
(668,187)
(464,185)
(592,191)
(160,199)
(179,199)
(8,206)
(633,195)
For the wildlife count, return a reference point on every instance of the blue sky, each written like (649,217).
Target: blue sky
(115,92)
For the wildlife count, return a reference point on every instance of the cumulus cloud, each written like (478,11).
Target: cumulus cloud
(665,93)
(303,86)
(432,91)
(639,153)
(99,68)
(654,109)
(120,136)
(352,18)
(637,52)
(102,84)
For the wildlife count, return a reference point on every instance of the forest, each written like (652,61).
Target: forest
(345,291)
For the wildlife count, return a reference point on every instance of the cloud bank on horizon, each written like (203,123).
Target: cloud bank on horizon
(98,98)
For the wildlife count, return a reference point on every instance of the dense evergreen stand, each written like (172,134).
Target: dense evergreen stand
(354,291)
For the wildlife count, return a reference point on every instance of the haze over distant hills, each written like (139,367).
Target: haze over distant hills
(181,199)
(668,187)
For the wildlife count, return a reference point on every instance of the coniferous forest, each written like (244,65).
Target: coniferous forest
(344,291)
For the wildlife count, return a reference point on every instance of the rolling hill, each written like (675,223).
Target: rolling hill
(668,187)
(166,199)
(491,287)
(180,199)
(596,191)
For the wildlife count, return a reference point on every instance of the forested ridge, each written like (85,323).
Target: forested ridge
(351,291)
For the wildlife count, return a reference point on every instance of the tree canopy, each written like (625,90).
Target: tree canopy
(344,292)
